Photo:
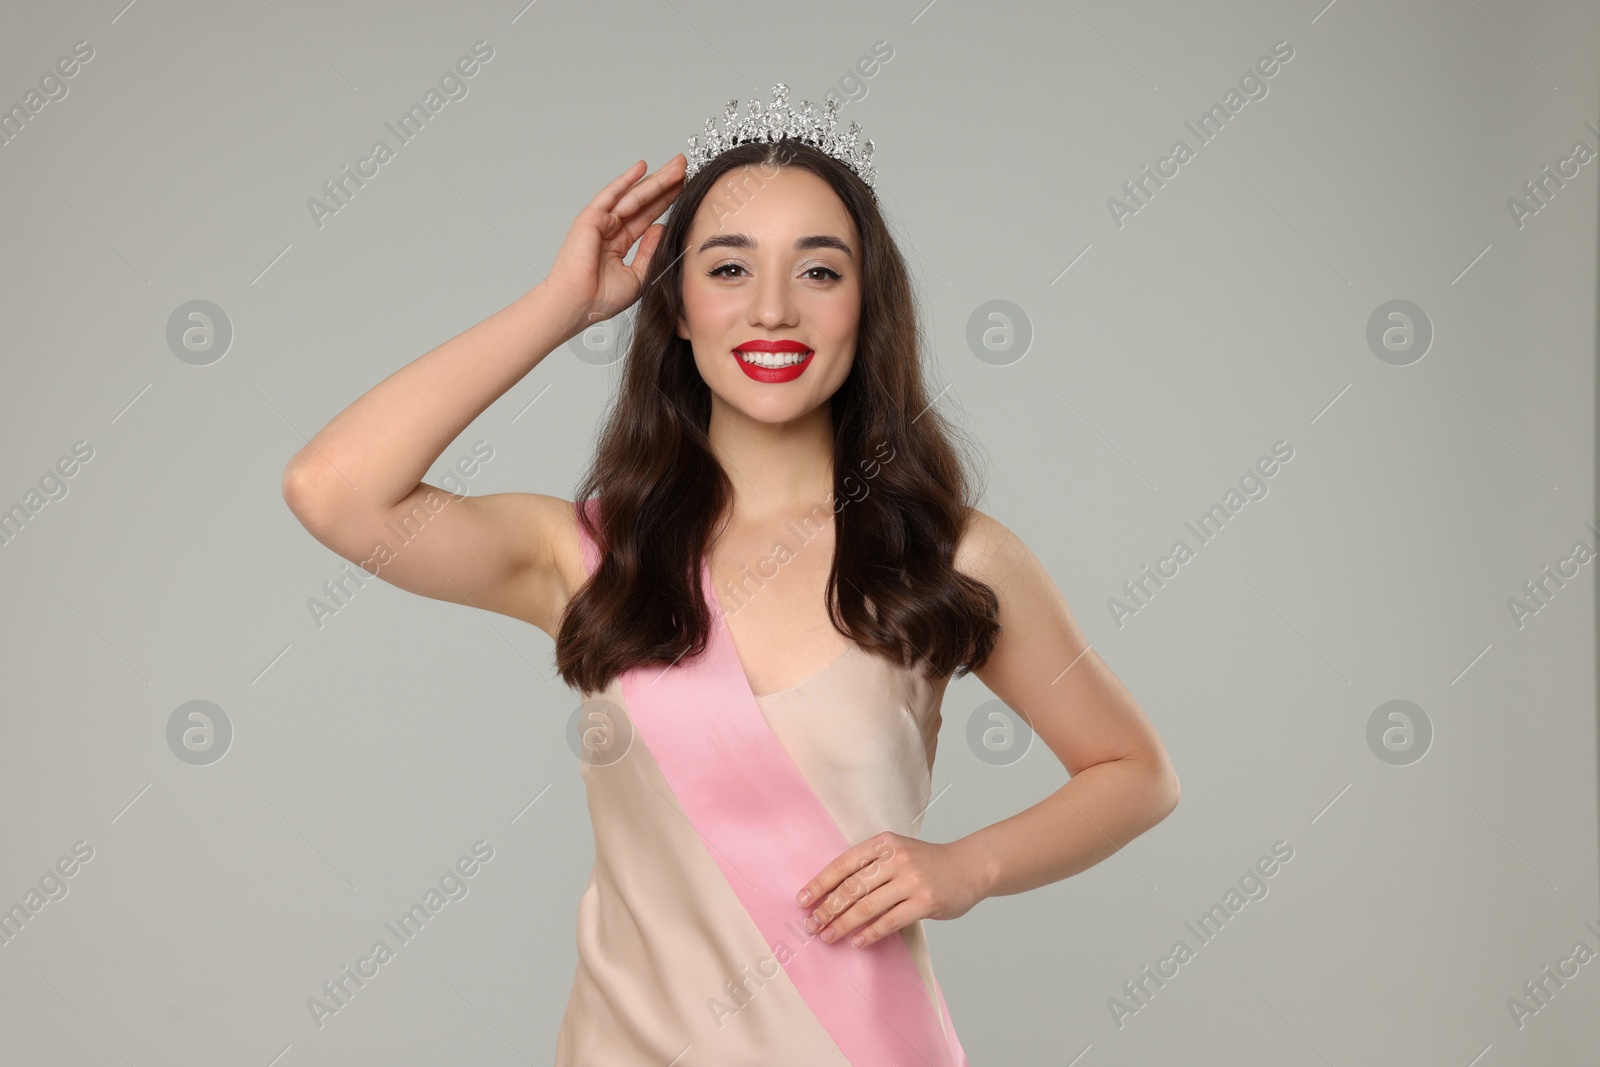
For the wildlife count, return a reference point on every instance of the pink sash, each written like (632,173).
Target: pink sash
(770,834)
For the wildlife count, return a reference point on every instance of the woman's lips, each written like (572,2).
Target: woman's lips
(772,374)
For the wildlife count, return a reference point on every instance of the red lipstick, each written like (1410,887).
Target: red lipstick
(773,374)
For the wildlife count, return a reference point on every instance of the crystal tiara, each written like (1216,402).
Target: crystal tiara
(781,122)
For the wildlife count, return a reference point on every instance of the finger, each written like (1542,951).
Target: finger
(850,893)
(850,860)
(874,872)
(898,917)
(620,237)
(653,209)
(606,198)
(619,232)
(652,194)
(647,250)
(864,854)
(652,189)
(868,907)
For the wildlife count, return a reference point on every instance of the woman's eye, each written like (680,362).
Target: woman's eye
(718,272)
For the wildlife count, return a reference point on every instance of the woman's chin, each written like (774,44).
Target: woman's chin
(775,412)
(765,404)
(770,401)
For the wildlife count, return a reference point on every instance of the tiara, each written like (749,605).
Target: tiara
(781,122)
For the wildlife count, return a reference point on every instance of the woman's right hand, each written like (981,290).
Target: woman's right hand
(589,273)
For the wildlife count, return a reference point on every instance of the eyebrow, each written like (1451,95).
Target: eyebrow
(741,240)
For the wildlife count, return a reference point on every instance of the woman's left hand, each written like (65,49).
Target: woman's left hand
(887,882)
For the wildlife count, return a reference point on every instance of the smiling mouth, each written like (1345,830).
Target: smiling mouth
(772,360)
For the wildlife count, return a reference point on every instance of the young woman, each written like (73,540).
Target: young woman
(774,570)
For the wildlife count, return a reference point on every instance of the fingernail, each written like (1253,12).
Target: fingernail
(805,896)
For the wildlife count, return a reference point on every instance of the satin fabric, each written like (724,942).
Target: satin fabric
(672,966)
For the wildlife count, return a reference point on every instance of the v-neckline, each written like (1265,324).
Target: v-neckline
(733,647)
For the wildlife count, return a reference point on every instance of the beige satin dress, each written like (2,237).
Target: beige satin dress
(671,968)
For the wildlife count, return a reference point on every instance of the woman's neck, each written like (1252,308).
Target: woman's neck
(776,469)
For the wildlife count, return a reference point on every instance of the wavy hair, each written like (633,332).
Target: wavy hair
(893,588)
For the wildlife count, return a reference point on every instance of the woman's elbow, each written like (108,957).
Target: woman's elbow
(1164,790)
(1174,789)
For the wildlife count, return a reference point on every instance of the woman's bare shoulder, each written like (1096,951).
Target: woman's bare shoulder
(988,550)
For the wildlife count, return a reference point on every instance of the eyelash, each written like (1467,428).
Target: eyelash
(715,271)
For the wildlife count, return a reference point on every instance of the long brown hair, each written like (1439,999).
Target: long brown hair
(892,588)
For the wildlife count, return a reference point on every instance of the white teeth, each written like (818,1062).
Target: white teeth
(771,359)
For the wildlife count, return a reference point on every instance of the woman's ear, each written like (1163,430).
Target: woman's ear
(683,328)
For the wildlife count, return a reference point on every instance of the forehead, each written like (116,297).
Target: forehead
(772,208)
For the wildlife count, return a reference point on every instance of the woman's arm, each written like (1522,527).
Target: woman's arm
(360,478)
(1121,782)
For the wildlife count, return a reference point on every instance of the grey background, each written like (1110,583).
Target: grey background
(1229,313)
